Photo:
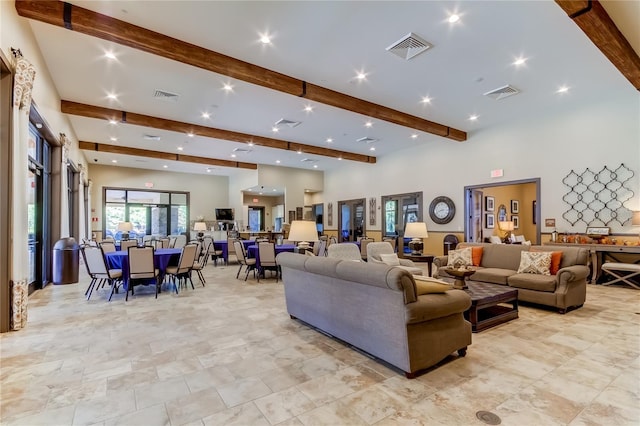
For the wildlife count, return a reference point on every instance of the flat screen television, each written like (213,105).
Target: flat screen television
(224,214)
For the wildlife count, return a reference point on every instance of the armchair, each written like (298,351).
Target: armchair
(382,252)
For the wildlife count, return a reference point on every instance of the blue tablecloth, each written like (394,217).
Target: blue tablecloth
(224,246)
(162,258)
(252,251)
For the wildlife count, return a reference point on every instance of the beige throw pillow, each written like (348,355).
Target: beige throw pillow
(390,259)
(428,285)
(535,263)
(458,258)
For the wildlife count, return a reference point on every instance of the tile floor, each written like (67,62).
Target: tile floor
(228,354)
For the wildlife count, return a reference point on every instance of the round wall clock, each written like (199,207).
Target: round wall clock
(442,209)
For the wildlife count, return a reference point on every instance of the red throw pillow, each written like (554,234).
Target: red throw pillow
(556,259)
(476,255)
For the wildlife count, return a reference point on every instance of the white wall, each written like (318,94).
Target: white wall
(207,192)
(548,145)
(295,181)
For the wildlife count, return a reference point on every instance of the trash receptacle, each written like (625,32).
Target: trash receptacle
(66,260)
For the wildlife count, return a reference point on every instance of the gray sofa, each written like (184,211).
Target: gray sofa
(375,308)
(499,265)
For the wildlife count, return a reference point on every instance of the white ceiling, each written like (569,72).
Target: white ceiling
(325,43)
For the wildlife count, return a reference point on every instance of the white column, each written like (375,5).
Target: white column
(82,203)
(90,218)
(64,188)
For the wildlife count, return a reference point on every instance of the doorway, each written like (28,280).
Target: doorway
(256,218)
(482,203)
(351,221)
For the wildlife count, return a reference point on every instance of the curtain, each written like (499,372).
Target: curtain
(65,230)
(22,89)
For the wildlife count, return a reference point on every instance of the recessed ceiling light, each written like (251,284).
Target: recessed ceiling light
(233,156)
(453,18)
(299,151)
(250,143)
(315,166)
(308,108)
(274,190)
(414,136)
(562,89)
(329,140)
(339,158)
(114,161)
(205,115)
(227,87)
(113,121)
(114,139)
(274,129)
(165,166)
(425,100)
(180,148)
(473,117)
(112,96)
(368,124)
(361,75)
(277,161)
(190,134)
(109,55)
(519,61)
(265,38)
(208,170)
(259,193)
(373,148)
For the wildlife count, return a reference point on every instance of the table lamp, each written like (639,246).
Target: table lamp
(416,231)
(303,231)
(507,226)
(125,227)
(200,227)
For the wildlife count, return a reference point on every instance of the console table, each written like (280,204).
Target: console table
(601,253)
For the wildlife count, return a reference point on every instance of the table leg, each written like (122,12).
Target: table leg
(429,266)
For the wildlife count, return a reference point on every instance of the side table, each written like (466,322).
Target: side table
(421,258)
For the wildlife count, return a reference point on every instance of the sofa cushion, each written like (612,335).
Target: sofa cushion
(492,275)
(535,263)
(535,282)
(390,259)
(506,256)
(462,257)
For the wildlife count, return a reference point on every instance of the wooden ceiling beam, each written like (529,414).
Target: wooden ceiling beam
(125,150)
(107,28)
(596,23)
(101,113)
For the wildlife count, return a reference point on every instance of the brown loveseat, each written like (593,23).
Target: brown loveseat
(499,265)
(375,307)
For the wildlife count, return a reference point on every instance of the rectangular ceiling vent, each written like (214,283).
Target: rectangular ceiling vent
(289,123)
(151,137)
(409,46)
(309,160)
(165,96)
(502,92)
(367,139)
(242,150)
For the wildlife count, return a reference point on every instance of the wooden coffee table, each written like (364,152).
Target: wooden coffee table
(488,304)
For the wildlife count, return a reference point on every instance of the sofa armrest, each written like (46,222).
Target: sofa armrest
(437,305)
(407,262)
(573,273)
(440,261)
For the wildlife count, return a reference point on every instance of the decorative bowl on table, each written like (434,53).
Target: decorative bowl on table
(460,275)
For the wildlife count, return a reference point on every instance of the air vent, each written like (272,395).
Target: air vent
(151,137)
(502,92)
(409,46)
(166,96)
(309,160)
(367,139)
(288,123)
(242,150)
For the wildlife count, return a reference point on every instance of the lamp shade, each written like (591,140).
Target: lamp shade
(125,226)
(507,226)
(200,226)
(635,219)
(303,230)
(416,230)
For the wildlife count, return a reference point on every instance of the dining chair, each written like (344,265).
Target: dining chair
(215,252)
(199,264)
(183,270)
(320,248)
(332,240)
(267,254)
(172,242)
(108,246)
(164,242)
(231,249)
(243,260)
(98,270)
(142,267)
(124,245)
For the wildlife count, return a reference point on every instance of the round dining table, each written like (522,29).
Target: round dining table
(161,257)
(252,251)
(224,246)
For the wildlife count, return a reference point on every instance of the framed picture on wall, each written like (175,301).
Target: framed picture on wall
(489,203)
(489,220)
(515,206)
(516,221)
